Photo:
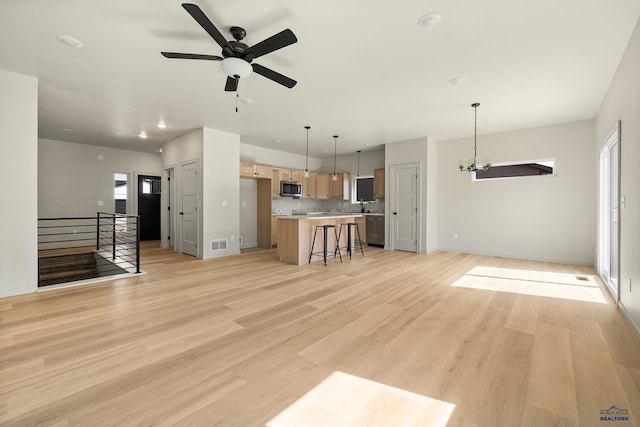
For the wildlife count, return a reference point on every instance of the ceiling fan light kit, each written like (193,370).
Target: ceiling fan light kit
(237,57)
(236,68)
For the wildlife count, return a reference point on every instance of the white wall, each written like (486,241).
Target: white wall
(19,189)
(278,159)
(221,196)
(622,102)
(187,148)
(540,218)
(73,178)
(415,151)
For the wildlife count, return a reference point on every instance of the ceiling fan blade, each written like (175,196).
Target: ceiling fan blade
(272,75)
(232,85)
(208,26)
(278,41)
(191,56)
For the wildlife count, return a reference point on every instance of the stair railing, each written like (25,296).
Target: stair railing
(114,238)
(119,235)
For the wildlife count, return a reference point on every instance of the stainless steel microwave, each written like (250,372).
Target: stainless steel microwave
(290,189)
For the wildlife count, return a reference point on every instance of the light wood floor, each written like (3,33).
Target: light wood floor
(389,339)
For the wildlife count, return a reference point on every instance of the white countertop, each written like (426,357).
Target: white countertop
(329,215)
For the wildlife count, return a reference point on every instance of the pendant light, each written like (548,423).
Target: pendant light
(306,167)
(472,165)
(334,177)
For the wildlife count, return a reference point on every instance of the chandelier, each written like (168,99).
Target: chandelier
(472,165)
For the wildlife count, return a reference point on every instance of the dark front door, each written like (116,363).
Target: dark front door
(149,206)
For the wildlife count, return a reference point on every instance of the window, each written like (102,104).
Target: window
(518,170)
(363,190)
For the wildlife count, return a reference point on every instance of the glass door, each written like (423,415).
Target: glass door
(609,214)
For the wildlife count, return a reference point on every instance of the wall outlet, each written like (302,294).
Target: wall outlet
(224,204)
(100,157)
(239,239)
(233,238)
(244,204)
(100,203)
(455,236)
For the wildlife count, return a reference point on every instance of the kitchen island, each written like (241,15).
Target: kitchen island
(295,234)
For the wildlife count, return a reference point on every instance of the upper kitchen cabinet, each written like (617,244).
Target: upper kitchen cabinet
(255,170)
(309,186)
(322,186)
(378,183)
(339,189)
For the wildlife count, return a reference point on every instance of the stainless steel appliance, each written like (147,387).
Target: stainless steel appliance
(290,189)
(375,230)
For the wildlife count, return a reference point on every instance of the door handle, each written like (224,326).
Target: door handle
(181,213)
(395,213)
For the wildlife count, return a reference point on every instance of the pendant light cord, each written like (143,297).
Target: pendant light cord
(306,169)
(335,149)
(475,134)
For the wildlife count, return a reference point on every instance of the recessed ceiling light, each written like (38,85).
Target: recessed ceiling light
(162,125)
(66,130)
(143,135)
(69,41)
(429,20)
(458,80)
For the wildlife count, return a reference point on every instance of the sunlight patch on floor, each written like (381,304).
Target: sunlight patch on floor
(529,282)
(347,400)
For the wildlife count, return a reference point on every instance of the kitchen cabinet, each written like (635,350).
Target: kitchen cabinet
(309,186)
(322,186)
(255,170)
(339,189)
(378,183)
(290,175)
(275,183)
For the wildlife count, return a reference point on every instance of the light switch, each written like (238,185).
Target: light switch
(224,204)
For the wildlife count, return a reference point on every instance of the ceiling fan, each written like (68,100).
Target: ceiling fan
(236,56)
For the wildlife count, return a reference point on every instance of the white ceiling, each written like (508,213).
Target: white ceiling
(365,70)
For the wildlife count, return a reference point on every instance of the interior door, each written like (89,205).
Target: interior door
(404,208)
(189,209)
(149,190)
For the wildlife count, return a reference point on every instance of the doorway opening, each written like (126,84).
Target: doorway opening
(149,191)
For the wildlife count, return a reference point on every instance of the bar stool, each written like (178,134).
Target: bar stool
(325,234)
(355,246)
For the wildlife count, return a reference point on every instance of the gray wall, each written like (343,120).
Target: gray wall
(551,218)
(18,188)
(622,102)
(73,178)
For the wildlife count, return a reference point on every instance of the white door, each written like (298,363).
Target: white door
(609,212)
(404,208)
(189,208)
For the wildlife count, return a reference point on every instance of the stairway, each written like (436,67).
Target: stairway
(55,269)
